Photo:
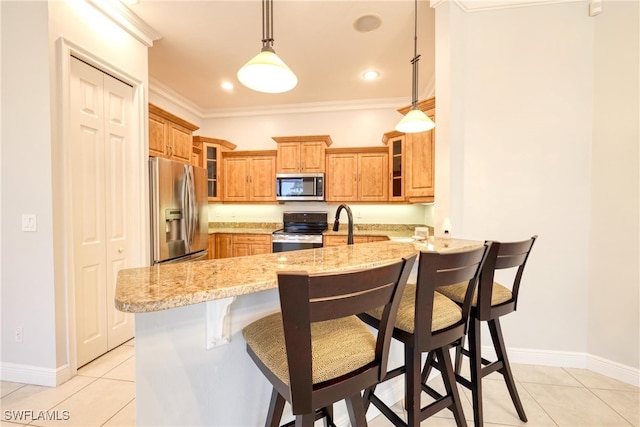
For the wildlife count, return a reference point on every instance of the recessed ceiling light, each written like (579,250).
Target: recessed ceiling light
(227,85)
(370,75)
(366,23)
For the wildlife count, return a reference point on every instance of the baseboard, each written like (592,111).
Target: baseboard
(566,359)
(563,359)
(36,375)
(614,370)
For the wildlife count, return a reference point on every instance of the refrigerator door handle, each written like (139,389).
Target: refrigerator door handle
(186,206)
(190,207)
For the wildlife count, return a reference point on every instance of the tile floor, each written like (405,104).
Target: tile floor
(551,397)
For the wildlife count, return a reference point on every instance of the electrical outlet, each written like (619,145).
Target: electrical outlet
(29,222)
(18,335)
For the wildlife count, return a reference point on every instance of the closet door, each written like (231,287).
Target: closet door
(100,161)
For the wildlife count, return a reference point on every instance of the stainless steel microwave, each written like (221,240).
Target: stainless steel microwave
(299,186)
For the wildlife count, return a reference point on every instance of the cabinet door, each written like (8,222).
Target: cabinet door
(259,249)
(262,181)
(181,143)
(288,157)
(212,246)
(373,179)
(312,156)
(342,240)
(211,162)
(371,239)
(397,169)
(241,249)
(236,179)
(158,136)
(223,245)
(420,155)
(342,175)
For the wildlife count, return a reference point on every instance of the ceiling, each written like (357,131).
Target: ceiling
(204,43)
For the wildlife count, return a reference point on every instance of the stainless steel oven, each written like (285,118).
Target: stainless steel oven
(301,230)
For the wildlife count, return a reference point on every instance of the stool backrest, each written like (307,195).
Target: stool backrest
(503,256)
(442,269)
(308,298)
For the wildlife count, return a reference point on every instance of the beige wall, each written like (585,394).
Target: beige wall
(614,282)
(524,129)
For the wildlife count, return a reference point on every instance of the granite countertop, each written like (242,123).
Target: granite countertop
(161,287)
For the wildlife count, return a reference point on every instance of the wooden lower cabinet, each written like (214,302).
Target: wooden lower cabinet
(212,246)
(251,244)
(241,244)
(224,245)
(342,240)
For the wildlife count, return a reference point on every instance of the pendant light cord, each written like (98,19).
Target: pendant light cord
(416,58)
(267,25)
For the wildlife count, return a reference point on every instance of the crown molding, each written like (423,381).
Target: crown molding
(167,93)
(127,20)
(483,5)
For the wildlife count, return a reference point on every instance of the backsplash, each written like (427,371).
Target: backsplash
(363,215)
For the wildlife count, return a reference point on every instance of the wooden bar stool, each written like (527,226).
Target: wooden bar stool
(429,322)
(316,351)
(491,301)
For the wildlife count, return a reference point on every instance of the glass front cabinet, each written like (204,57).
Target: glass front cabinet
(211,159)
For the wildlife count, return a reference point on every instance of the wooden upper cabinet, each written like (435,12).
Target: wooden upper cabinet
(420,161)
(357,175)
(169,135)
(301,154)
(210,158)
(397,165)
(249,176)
(412,161)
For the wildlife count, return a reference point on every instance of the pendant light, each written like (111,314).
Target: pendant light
(266,72)
(415,120)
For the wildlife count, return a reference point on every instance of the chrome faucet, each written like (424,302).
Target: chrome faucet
(336,223)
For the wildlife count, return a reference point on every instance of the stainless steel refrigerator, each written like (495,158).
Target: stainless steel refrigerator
(179,213)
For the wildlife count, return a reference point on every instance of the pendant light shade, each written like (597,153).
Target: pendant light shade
(415,120)
(266,72)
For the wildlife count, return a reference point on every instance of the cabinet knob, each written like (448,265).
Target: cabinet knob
(120,250)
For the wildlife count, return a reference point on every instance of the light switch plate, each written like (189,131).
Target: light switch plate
(29,222)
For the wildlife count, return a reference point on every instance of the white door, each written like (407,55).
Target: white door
(101,158)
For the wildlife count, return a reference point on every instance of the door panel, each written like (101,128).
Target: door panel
(119,199)
(101,200)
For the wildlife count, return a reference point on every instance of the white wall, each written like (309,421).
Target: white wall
(27,258)
(34,293)
(519,130)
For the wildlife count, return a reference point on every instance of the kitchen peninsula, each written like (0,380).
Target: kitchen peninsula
(191,363)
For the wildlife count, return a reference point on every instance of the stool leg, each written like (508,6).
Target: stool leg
(458,359)
(276,407)
(475,362)
(413,386)
(501,352)
(427,367)
(305,420)
(449,379)
(328,419)
(355,407)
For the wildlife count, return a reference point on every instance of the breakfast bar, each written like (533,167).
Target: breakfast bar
(191,363)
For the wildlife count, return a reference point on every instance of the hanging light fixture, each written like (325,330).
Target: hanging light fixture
(266,72)
(415,120)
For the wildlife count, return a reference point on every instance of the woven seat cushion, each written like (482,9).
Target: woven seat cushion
(445,311)
(338,346)
(456,292)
